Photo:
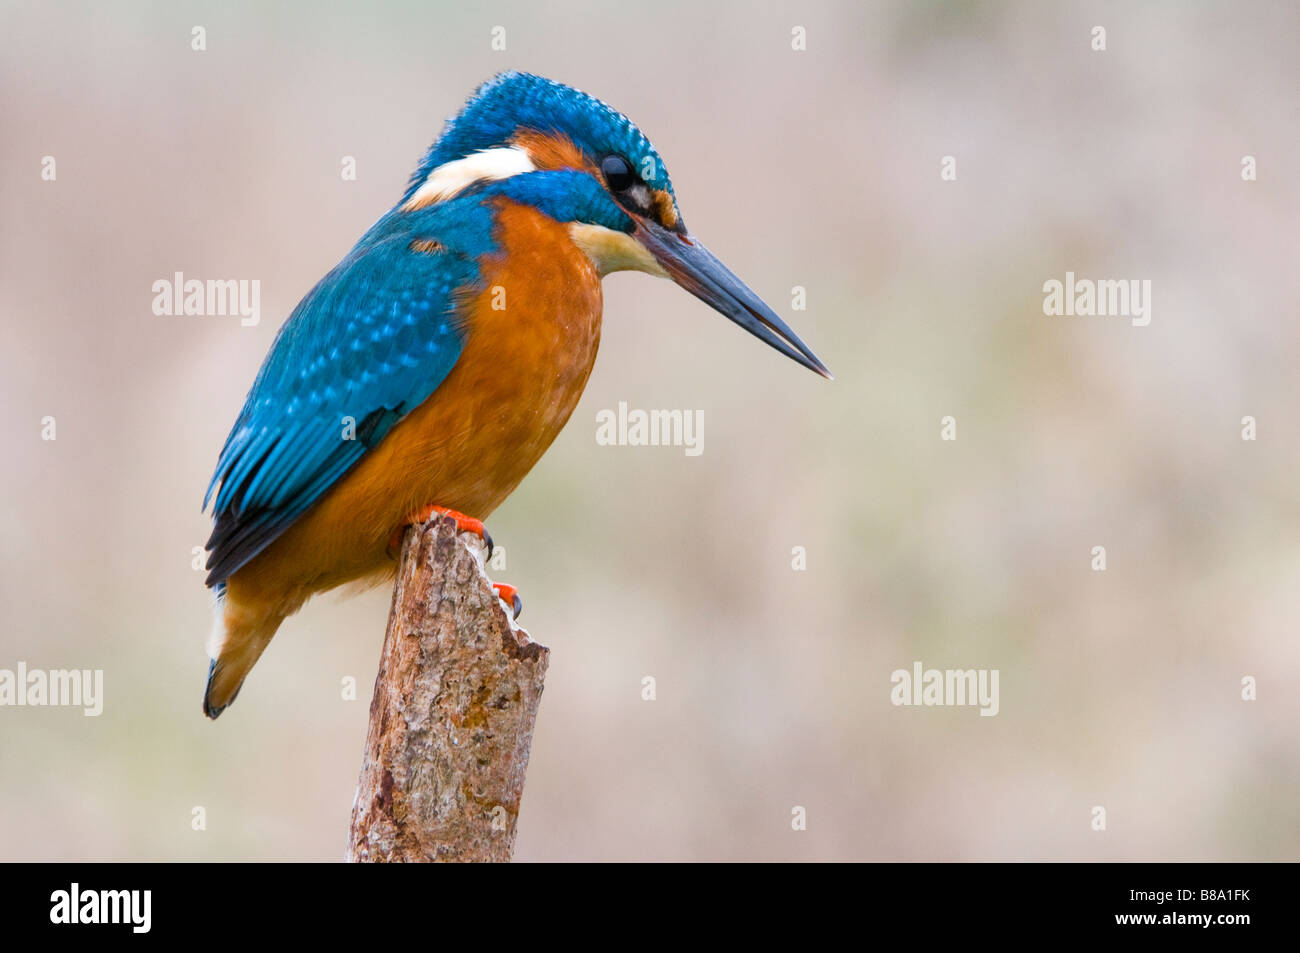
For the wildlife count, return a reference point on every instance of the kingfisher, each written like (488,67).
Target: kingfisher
(431,368)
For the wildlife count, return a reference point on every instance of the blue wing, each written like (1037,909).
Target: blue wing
(370,342)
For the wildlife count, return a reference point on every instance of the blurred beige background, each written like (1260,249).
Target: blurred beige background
(817,168)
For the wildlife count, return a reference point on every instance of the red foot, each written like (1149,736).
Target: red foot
(510,595)
(464,524)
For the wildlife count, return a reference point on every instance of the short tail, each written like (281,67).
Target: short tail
(217,697)
(234,647)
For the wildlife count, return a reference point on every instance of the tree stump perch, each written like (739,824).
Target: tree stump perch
(451,720)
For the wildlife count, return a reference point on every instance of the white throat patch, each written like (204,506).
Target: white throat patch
(452,178)
(613,251)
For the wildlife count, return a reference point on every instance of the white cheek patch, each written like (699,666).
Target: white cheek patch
(640,196)
(452,178)
(610,250)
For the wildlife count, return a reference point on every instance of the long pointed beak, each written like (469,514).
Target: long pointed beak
(696,269)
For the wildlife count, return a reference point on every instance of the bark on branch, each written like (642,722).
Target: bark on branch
(451,721)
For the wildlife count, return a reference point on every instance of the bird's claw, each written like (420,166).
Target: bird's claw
(510,596)
(464,524)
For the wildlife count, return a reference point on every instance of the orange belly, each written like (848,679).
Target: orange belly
(530,342)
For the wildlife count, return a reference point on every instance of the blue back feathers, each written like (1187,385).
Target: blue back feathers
(368,344)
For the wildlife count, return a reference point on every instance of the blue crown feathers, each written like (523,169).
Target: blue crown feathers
(510,102)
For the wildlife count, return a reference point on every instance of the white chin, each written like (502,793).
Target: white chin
(613,251)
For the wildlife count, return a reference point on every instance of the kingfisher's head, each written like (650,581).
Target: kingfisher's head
(585,164)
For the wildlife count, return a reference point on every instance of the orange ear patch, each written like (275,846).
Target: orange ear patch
(664,207)
(552,152)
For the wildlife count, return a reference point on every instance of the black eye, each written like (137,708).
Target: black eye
(618,173)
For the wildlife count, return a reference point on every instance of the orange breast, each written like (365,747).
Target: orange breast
(531,339)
